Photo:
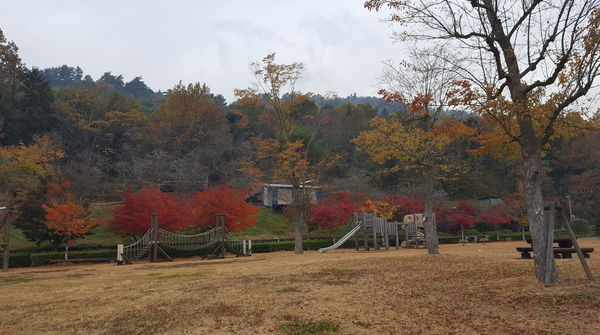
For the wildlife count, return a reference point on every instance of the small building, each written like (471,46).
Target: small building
(280,195)
(489,201)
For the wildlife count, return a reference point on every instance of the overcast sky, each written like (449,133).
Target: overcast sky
(341,44)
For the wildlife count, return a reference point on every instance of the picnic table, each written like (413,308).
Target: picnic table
(564,250)
(563,242)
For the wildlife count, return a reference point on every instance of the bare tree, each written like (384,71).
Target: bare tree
(544,56)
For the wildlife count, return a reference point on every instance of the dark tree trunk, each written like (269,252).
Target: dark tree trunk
(431,238)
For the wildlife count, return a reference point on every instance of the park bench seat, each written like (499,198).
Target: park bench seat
(558,252)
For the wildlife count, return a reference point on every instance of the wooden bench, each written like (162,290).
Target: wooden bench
(558,252)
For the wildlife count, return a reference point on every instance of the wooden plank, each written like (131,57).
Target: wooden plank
(6,243)
(375,224)
(365,234)
(154,225)
(397,237)
(119,253)
(584,263)
(549,218)
(386,234)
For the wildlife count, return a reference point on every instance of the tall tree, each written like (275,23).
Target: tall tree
(421,142)
(191,119)
(290,123)
(239,215)
(529,62)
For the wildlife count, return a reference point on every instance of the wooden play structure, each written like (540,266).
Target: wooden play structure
(413,226)
(155,243)
(371,232)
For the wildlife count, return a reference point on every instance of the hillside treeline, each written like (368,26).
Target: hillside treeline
(114,134)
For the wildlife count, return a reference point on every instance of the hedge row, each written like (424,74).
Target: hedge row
(17,260)
(44,258)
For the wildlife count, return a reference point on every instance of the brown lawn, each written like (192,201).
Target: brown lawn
(470,289)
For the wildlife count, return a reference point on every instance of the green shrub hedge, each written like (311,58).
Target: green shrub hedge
(44,258)
(17,260)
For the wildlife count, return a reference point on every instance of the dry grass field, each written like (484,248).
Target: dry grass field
(470,289)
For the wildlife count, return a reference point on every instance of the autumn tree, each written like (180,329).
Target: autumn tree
(337,211)
(24,170)
(422,142)
(239,215)
(285,151)
(463,215)
(69,221)
(133,216)
(191,118)
(496,216)
(526,65)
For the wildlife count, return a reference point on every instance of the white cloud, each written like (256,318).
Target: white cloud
(341,44)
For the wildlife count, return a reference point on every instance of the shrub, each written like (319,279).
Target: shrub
(44,258)
(18,260)
(582,227)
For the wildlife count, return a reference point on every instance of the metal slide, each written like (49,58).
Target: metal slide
(343,239)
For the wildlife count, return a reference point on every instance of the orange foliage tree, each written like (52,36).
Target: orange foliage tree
(69,221)
(239,215)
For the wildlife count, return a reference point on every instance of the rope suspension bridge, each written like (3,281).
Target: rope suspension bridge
(154,242)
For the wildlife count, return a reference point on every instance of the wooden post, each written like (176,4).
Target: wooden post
(221,223)
(584,263)
(549,218)
(365,235)
(244,247)
(5,244)
(397,237)
(154,227)
(375,224)
(249,247)
(356,222)
(119,253)
(386,234)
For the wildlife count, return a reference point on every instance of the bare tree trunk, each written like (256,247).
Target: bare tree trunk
(431,238)
(535,211)
(67,251)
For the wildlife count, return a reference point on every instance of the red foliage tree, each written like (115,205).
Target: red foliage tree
(239,215)
(133,217)
(497,215)
(461,217)
(404,205)
(335,212)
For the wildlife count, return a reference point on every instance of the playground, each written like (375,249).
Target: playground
(476,288)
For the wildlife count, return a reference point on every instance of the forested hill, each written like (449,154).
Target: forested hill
(68,76)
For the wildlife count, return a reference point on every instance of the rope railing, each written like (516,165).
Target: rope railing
(189,242)
(137,249)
